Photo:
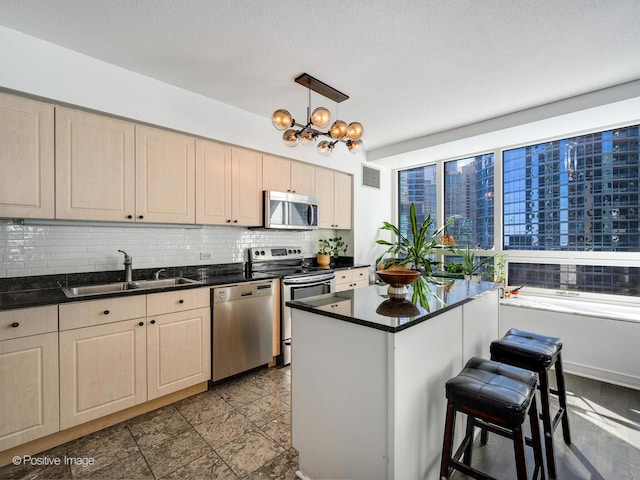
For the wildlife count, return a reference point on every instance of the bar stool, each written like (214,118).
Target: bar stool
(538,353)
(496,397)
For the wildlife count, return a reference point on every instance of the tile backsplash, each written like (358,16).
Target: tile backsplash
(52,249)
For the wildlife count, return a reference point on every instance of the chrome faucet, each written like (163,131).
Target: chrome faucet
(156,275)
(128,261)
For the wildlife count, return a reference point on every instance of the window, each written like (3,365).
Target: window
(417,186)
(575,194)
(468,200)
(583,278)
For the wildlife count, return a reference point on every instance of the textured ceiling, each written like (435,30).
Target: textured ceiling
(411,68)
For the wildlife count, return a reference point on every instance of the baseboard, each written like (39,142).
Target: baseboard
(602,375)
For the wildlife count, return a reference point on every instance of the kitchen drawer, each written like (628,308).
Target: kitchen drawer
(102,311)
(178,301)
(352,278)
(24,322)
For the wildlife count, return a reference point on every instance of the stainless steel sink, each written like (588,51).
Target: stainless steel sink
(107,288)
(97,289)
(164,282)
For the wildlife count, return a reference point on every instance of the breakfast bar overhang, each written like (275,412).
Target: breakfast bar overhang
(368,377)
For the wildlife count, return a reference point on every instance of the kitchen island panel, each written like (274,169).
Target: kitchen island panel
(423,358)
(368,391)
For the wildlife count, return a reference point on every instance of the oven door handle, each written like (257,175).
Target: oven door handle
(309,279)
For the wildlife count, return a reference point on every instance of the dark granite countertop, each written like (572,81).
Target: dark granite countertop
(23,292)
(370,307)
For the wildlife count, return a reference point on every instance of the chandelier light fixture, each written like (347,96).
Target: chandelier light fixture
(317,121)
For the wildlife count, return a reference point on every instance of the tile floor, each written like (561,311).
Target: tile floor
(240,429)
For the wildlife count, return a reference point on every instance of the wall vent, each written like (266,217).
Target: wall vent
(370,177)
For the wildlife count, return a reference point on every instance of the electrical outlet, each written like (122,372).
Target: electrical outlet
(205,256)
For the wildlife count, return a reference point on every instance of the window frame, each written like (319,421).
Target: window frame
(531,256)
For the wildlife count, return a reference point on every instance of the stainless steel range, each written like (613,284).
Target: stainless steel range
(297,280)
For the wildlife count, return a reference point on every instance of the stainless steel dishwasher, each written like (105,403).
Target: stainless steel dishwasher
(242,327)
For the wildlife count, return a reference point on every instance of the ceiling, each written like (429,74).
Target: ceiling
(411,67)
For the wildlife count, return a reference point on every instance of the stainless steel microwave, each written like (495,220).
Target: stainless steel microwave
(290,211)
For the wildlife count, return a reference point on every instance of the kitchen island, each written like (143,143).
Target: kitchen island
(368,376)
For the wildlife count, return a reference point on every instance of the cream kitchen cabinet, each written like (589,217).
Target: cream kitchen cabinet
(178,340)
(103,361)
(352,278)
(165,176)
(119,352)
(284,175)
(228,185)
(28,374)
(26,158)
(333,190)
(95,167)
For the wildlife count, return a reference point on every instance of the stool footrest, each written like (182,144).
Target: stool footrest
(470,471)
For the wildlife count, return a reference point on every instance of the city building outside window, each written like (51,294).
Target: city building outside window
(570,209)
(417,186)
(468,201)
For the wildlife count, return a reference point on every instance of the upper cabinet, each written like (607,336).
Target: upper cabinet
(165,176)
(283,175)
(333,190)
(95,167)
(70,164)
(26,158)
(111,170)
(229,185)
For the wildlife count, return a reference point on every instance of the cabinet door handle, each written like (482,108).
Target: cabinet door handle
(228,220)
(106,312)
(15,324)
(180,301)
(141,324)
(140,217)
(153,322)
(235,221)
(129,217)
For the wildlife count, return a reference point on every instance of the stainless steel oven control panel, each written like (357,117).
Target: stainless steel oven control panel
(264,254)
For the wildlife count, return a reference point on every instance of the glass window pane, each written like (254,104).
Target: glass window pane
(468,200)
(575,194)
(417,186)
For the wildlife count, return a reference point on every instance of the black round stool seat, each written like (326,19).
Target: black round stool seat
(538,353)
(495,397)
(528,348)
(494,388)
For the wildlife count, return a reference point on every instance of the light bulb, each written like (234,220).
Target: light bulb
(354,146)
(355,131)
(307,137)
(321,117)
(338,129)
(282,119)
(324,148)
(290,138)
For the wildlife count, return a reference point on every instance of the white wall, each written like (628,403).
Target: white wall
(42,69)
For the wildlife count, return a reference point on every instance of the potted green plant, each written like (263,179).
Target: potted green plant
(497,271)
(414,253)
(472,266)
(330,247)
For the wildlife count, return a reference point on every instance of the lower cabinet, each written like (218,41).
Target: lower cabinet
(110,361)
(352,278)
(28,375)
(178,351)
(102,370)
